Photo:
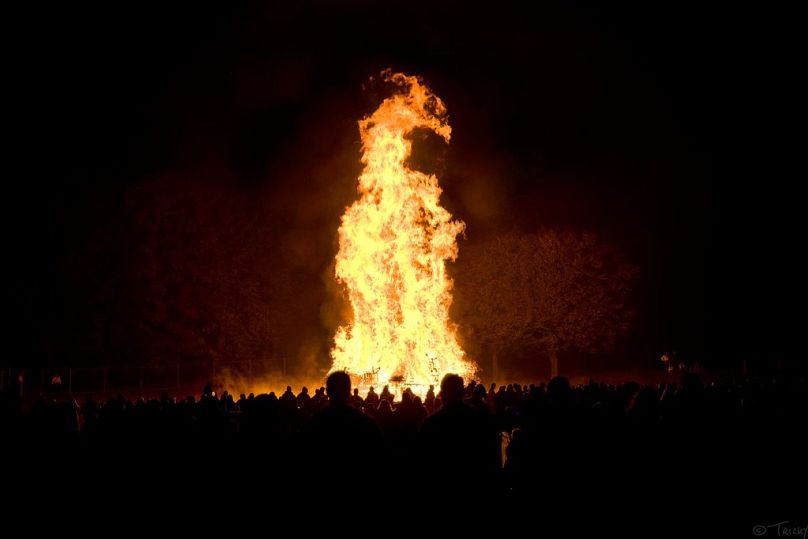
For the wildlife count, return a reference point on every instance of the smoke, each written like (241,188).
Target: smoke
(227,253)
(240,268)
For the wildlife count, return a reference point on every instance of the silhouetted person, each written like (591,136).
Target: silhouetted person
(356,399)
(288,399)
(456,444)
(385,417)
(478,399)
(340,442)
(287,403)
(559,394)
(430,398)
(644,406)
(372,397)
(303,398)
(319,400)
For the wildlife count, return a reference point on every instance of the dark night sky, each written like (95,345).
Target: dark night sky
(567,114)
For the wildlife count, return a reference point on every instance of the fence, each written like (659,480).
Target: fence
(187,377)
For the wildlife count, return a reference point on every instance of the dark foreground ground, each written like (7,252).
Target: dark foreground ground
(699,459)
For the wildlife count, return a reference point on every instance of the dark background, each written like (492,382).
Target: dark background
(615,119)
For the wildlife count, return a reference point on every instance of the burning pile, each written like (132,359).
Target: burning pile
(393,245)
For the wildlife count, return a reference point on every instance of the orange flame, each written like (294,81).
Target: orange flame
(393,245)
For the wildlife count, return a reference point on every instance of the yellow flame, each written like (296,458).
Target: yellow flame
(393,246)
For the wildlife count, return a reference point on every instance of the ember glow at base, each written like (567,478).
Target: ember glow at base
(393,246)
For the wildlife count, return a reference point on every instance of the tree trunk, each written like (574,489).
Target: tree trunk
(553,364)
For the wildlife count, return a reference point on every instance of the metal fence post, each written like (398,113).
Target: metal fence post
(249,371)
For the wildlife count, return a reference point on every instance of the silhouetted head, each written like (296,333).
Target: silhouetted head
(644,402)
(559,391)
(338,387)
(356,392)
(451,389)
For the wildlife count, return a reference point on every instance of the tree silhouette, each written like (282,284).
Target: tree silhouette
(194,281)
(551,291)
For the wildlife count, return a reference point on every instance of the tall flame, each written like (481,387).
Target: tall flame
(393,245)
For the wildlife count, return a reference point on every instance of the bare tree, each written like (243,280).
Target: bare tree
(551,291)
(196,279)
(208,288)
